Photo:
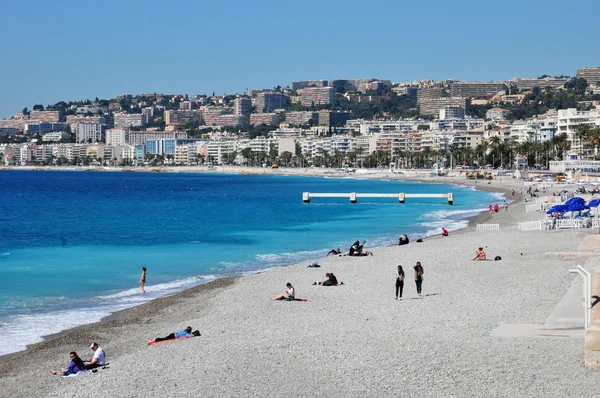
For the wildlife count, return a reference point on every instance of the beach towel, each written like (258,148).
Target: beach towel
(83,373)
(296,299)
(164,341)
(320,284)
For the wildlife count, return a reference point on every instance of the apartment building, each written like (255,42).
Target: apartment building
(45,116)
(468,139)
(329,118)
(242,106)
(268,101)
(44,127)
(182,117)
(140,137)
(528,84)
(117,136)
(591,75)
(89,132)
(569,119)
(228,120)
(301,118)
(496,114)
(217,151)
(124,120)
(317,96)
(72,120)
(452,112)
(308,83)
(270,119)
(55,136)
(475,89)
(432,106)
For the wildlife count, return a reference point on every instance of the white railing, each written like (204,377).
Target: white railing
(488,227)
(570,224)
(530,226)
(533,207)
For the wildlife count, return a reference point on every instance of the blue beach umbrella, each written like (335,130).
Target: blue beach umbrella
(576,199)
(557,209)
(594,203)
(576,207)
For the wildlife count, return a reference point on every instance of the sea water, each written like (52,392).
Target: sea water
(72,244)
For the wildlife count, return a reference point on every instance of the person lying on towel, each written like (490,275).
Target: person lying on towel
(187,332)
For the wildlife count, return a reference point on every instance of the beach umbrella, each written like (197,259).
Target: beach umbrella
(557,209)
(576,199)
(576,207)
(594,203)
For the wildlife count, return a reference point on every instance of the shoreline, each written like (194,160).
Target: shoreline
(470,222)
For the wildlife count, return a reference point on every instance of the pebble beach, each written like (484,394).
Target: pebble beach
(354,340)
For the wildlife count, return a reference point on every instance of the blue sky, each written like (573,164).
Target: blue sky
(73,50)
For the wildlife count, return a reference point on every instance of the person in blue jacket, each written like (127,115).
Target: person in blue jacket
(187,332)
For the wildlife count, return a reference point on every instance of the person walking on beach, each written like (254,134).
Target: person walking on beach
(491,209)
(289,294)
(505,205)
(399,282)
(418,277)
(496,208)
(142,281)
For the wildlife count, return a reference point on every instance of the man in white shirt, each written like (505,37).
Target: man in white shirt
(98,359)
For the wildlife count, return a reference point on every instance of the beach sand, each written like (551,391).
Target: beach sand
(350,341)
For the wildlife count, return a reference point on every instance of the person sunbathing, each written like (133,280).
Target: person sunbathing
(289,294)
(480,254)
(187,332)
(335,251)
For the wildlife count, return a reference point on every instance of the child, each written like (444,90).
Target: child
(142,281)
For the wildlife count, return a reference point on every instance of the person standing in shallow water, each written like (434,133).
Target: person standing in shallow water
(399,282)
(418,276)
(142,281)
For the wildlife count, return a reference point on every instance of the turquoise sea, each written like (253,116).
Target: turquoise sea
(72,244)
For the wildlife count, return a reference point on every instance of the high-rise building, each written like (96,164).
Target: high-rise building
(242,106)
(45,116)
(123,120)
(89,132)
(182,116)
(591,75)
(269,119)
(432,106)
(301,118)
(117,136)
(269,101)
(140,137)
(72,120)
(317,96)
(333,118)
(308,83)
(475,89)
(452,112)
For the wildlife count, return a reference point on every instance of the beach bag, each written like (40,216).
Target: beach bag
(497,258)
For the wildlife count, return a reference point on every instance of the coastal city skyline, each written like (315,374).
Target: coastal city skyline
(228,48)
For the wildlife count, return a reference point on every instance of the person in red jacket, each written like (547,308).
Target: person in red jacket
(444,232)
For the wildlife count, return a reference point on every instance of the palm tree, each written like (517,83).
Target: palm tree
(582,133)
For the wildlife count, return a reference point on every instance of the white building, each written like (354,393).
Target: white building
(569,119)
(496,114)
(452,112)
(123,120)
(117,136)
(89,132)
